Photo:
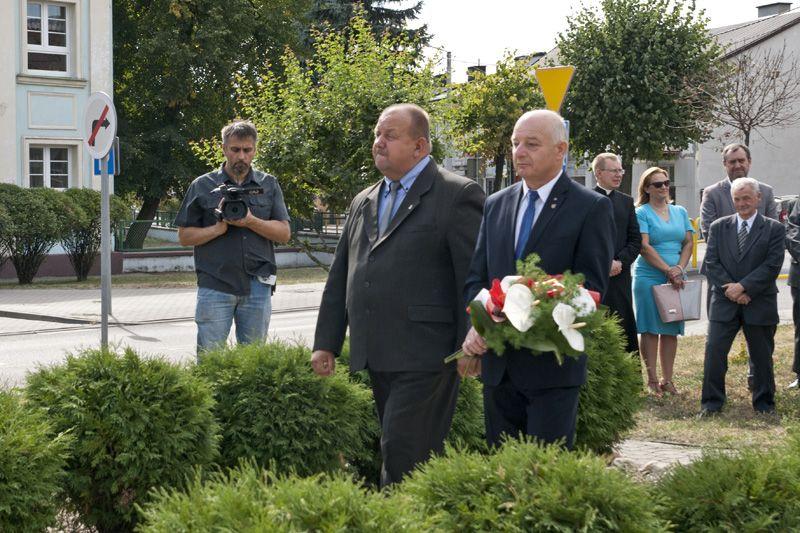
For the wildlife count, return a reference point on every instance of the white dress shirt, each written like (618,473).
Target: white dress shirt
(544,194)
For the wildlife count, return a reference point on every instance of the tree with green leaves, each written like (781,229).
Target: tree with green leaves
(383,16)
(316,119)
(645,75)
(81,239)
(175,69)
(482,112)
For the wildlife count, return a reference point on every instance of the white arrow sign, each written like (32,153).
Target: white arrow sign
(99,125)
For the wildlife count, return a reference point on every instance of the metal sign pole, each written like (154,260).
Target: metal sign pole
(105,253)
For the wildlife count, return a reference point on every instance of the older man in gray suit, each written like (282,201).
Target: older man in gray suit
(396,281)
(744,256)
(717,201)
(793,247)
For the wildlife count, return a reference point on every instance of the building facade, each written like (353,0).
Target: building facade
(58,54)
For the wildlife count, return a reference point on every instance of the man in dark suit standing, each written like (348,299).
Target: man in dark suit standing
(396,280)
(743,259)
(608,171)
(793,246)
(571,228)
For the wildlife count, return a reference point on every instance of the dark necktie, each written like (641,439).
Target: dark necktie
(742,237)
(527,223)
(386,216)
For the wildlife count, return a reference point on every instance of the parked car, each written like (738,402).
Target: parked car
(785,203)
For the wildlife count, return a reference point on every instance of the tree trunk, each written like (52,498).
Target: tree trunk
(499,163)
(627,178)
(746,137)
(139,228)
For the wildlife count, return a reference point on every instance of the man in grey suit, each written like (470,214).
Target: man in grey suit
(793,246)
(716,202)
(396,280)
(743,258)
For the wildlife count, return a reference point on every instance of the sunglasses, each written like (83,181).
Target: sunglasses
(659,184)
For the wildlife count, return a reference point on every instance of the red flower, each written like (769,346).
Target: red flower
(497,294)
(596,297)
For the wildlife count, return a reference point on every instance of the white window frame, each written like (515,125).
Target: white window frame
(73,39)
(74,155)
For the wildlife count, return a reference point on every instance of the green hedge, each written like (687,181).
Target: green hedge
(138,423)
(612,393)
(246,499)
(754,490)
(32,464)
(274,409)
(528,487)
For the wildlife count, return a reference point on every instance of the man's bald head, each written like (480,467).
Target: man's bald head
(539,144)
(550,122)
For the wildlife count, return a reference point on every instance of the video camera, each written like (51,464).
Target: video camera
(233,206)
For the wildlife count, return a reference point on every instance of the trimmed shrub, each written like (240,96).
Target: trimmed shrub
(272,408)
(5,233)
(31,467)
(611,396)
(35,228)
(528,487)
(246,499)
(137,423)
(82,238)
(754,490)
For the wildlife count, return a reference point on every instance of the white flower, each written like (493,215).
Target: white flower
(583,303)
(483,296)
(518,306)
(507,281)
(564,317)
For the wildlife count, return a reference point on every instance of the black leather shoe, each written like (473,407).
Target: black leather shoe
(708,413)
(794,384)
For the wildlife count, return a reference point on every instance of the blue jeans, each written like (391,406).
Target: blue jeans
(216,310)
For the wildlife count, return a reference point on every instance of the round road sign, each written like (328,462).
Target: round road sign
(99,125)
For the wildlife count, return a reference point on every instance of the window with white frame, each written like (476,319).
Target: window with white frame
(48,38)
(49,166)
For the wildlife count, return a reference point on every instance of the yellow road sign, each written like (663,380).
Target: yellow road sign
(554,82)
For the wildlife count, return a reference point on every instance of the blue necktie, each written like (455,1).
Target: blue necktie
(527,223)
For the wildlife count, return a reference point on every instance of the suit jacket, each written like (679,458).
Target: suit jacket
(756,268)
(793,243)
(627,241)
(575,231)
(717,203)
(400,294)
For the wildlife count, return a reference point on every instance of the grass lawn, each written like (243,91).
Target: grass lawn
(286,276)
(674,418)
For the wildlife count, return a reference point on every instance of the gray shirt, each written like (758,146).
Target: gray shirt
(228,262)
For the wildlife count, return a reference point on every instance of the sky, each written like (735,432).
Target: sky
(479,31)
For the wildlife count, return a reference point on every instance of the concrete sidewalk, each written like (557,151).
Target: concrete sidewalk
(40,309)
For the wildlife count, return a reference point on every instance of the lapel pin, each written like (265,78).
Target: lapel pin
(552,206)
(410,207)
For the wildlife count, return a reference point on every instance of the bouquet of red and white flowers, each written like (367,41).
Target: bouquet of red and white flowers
(537,311)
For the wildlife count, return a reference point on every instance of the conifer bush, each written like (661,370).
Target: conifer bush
(32,462)
(754,490)
(611,396)
(525,486)
(273,409)
(137,423)
(248,499)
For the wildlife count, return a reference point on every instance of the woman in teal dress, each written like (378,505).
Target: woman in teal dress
(666,248)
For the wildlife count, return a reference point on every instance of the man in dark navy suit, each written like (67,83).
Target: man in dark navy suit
(607,169)
(571,228)
(743,259)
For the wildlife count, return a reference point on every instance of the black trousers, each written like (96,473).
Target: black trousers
(415,411)
(796,319)
(760,344)
(549,415)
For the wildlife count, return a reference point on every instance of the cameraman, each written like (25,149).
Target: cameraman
(234,259)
